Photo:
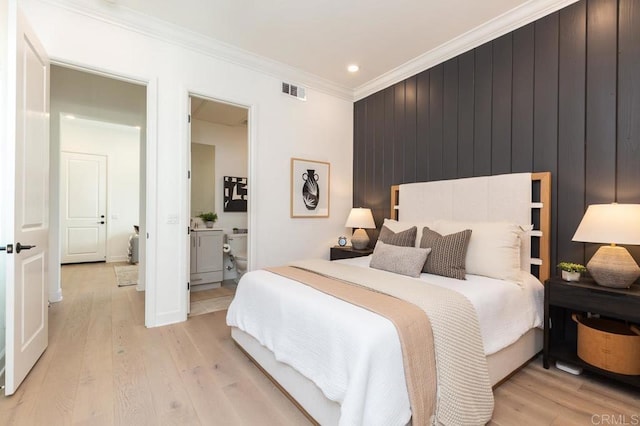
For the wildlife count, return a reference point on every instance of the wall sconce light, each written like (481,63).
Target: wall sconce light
(611,266)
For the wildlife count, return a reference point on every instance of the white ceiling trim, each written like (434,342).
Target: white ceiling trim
(153,27)
(507,22)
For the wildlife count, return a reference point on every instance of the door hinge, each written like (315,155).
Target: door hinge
(188,174)
(188,230)
(188,286)
(189,118)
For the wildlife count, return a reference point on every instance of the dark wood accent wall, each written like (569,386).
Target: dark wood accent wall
(561,94)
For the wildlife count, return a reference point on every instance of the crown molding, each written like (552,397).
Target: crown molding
(149,26)
(503,24)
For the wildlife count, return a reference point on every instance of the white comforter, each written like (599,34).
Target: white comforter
(354,355)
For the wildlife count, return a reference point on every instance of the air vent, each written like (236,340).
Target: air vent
(295,91)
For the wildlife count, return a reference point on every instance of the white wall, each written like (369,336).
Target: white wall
(231,160)
(121,145)
(281,127)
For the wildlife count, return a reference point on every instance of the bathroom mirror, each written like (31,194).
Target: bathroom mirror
(203,178)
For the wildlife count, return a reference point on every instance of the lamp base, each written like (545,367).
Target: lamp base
(360,239)
(613,266)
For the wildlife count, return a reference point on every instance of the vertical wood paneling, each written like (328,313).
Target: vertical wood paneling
(545,111)
(410,130)
(435,122)
(359,116)
(561,94)
(377,199)
(450,120)
(399,133)
(368,155)
(571,124)
(466,66)
(600,161)
(501,105)
(522,101)
(628,188)
(389,139)
(482,111)
(422,101)
(628,178)
(601,101)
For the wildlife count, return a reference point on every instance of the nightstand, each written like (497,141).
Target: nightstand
(348,252)
(562,298)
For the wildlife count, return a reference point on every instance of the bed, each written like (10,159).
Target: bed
(342,364)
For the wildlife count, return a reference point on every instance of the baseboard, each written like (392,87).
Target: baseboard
(2,364)
(55,296)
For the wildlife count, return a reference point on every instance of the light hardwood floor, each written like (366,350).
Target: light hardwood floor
(104,367)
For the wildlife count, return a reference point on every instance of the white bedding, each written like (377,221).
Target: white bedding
(505,310)
(355,357)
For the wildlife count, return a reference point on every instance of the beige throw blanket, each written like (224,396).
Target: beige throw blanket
(414,331)
(464,395)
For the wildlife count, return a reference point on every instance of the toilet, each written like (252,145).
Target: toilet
(238,245)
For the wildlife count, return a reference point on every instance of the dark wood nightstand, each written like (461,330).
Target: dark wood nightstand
(562,298)
(348,252)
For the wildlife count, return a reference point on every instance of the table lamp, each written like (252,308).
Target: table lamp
(611,266)
(362,219)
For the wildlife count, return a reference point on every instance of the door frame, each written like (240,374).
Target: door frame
(252,205)
(148,189)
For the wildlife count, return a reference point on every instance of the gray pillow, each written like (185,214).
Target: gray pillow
(406,238)
(401,260)
(448,253)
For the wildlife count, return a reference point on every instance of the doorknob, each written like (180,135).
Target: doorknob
(20,247)
(8,248)
(101,222)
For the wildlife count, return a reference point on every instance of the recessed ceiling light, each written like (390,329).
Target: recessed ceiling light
(353,68)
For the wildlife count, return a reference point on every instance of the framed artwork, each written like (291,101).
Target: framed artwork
(235,194)
(309,188)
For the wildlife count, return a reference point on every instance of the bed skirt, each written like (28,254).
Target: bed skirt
(310,399)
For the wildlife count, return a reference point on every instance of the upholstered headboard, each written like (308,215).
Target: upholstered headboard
(508,198)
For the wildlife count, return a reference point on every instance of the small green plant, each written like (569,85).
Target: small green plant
(208,217)
(571,267)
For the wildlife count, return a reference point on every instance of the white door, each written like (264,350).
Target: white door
(83,194)
(25,194)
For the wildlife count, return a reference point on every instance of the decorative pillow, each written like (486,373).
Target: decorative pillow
(448,253)
(494,248)
(397,226)
(406,238)
(398,259)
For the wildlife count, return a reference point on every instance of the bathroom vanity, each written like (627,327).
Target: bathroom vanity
(206,257)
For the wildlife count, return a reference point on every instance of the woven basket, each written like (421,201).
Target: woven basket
(610,345)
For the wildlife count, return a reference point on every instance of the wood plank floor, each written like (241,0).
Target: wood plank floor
(104,367)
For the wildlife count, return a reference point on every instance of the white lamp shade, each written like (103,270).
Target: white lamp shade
(610,223)
(360,218)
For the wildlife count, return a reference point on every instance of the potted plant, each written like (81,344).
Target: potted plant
(208,218)
(571,271)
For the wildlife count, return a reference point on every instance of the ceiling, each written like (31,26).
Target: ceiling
(218,112)
(322,37)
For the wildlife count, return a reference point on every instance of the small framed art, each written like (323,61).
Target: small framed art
(309,188)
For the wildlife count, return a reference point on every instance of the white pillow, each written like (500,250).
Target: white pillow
(398,226)
(494,247)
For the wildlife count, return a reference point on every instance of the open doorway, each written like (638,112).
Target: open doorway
(98,170)
(219,145)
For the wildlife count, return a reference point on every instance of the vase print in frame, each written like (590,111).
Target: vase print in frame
(309,188)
